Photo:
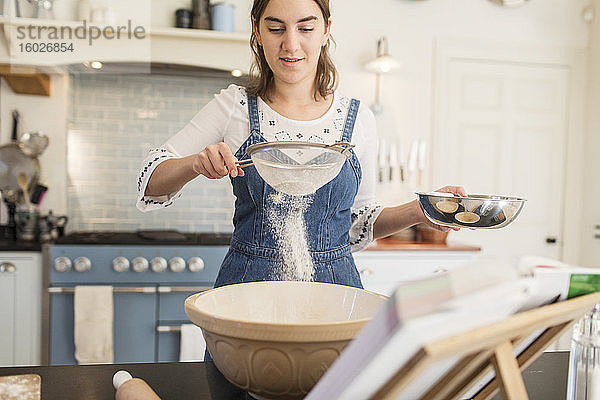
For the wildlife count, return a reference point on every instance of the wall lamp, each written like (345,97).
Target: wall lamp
(382,64)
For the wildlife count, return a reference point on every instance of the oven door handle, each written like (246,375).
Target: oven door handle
(141,289)
(183,289)
(167,328)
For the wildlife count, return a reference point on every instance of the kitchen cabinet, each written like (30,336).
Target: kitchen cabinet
(382,271)
(20,296)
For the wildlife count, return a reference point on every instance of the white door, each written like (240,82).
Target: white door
(503,131)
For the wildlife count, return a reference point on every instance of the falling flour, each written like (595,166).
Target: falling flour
(286,219)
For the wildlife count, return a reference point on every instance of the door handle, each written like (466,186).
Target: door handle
(166,328)
(183,289)
(7,267)
(71,290)
(551,240)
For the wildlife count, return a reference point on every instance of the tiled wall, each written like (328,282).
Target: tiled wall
(113,120)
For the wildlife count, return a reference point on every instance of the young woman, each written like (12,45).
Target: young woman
(291,96)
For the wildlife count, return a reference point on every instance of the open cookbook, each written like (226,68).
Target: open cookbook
(425,311)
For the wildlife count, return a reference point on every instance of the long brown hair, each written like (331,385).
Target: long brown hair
(261,75)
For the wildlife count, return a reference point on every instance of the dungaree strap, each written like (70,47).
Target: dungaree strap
(350,119)
(253,114)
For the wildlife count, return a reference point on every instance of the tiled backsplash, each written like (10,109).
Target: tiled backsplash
(114,120)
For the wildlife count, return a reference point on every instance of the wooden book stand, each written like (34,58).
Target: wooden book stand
(506,347)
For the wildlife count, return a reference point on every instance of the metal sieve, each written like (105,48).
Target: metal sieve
(297,168)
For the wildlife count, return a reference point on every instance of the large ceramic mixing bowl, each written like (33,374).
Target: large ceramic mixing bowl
(475,211)
(275,339)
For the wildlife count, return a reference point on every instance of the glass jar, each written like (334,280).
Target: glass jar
(584,360)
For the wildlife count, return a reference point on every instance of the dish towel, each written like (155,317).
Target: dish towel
(93,312)
(192,343)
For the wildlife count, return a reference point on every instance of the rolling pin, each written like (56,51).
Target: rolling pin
(129,388)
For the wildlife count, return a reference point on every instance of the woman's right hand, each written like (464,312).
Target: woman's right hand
(216,161)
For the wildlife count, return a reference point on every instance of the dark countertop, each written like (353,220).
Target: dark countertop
(154,238)
(168,380)
(166,238)
(8,245)
(545,379)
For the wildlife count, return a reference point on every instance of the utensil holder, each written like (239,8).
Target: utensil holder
(27,225)
(201,9)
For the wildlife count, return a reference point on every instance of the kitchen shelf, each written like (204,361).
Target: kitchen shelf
(192,47)
(26,82)
(201,34)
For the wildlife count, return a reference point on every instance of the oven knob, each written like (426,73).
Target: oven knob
(82,264)
(120,264)
(139,264)
(158,264)
(195,264)
(62,264)
(176,264)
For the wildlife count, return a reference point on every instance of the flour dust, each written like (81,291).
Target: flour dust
(286,220)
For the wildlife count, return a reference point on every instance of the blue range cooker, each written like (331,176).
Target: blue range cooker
(152,272)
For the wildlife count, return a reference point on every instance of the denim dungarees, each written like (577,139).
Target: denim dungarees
(254,254)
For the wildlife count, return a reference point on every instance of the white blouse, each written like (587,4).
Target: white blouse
(225,119)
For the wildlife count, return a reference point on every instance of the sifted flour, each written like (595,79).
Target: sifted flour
(286,220)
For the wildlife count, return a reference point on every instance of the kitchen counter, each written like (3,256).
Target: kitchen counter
(168,380)
(154,238)
(545,379)
(392,244)
(9,245)
(214,239)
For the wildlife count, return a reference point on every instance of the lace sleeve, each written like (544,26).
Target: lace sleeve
(365,209)
(361,232)
(153,160)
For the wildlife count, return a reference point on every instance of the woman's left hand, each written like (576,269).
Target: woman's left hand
(455,190)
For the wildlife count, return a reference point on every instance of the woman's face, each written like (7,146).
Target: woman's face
(292,33)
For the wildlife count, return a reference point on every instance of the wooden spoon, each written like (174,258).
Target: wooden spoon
(23,183)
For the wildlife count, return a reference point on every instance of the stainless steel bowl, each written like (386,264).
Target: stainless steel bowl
(475,211)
